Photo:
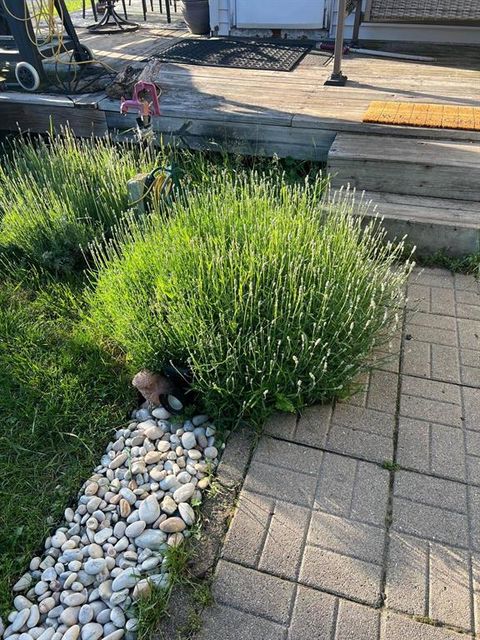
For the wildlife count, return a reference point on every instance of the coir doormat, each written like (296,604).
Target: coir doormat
(419,114)
(270,56)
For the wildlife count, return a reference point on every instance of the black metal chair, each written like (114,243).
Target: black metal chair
(168,3)
(94,9)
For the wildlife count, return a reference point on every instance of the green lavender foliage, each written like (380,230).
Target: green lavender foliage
(275,295)
(60,193)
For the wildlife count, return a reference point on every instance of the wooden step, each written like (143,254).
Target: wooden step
(430,224)
(410,166)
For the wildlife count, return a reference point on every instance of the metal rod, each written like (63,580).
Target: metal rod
(337,63)
(337,78)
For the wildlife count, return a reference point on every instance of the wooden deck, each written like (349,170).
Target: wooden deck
(256,111)
(425,181)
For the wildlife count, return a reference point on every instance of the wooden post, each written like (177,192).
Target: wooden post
(337,78)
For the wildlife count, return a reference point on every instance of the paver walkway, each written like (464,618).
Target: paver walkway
(326,543)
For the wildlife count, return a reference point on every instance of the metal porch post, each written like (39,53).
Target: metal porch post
(337,78)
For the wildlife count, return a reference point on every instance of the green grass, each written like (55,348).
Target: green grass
(60,399)
(75,5)
(273,297)
(468,264)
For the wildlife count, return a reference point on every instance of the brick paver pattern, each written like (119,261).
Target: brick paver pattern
(362,521)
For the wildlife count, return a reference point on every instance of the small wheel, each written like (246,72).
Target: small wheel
(27,76)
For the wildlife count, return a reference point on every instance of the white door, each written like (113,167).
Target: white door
(280,14)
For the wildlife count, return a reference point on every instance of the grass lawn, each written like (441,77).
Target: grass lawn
(60,399)
(75,5)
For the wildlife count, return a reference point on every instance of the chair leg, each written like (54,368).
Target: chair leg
(151,5)
(167,5)
(144,9)
(94,9)
(160,5)
(124,6)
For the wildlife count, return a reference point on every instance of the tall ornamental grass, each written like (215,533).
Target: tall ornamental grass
(274,295)
(58,194)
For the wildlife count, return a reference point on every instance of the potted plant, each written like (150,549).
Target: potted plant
(196,14)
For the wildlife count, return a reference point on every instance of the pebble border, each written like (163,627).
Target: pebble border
(111,548)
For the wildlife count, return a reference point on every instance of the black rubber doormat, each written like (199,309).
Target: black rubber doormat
(270,56)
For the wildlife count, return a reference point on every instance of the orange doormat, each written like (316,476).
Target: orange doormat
(417,114)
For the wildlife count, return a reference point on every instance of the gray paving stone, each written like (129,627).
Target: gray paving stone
(474,513)
(431,491)
(359,398)
(431,320)
(288,455)
(349,429)
(245,537)
(231,470)
(225,623)
(285,541)
(321,616)
(284,484)
(382,391)
(355,621)
(407,574)
(341,575)
(464,282)
(442,301)
(314,615)
(468,296)
(432,448)
(398,627)
(417,358)
(473,470)
(470,357)
(419,297)
(254,592)
(431,390)
(471,376)
(468,311)
(281,425)
(469,334)
(369,420)
(358,443)
(432,523)
(313,425)
(475,563)
(437,335)
(432,277)
(351,488)
(429,579)
(347,537)
(370,495)
(335,487)
(445,363)
(449,582)
(471,404)
(430,410)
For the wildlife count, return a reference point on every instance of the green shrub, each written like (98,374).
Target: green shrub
(272,294)
(58,194)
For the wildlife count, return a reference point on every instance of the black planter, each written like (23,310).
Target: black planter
(197,16)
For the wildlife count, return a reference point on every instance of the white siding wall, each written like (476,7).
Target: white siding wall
(221,12)
(222,19)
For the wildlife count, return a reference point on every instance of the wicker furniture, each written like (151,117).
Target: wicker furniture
(424,11)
